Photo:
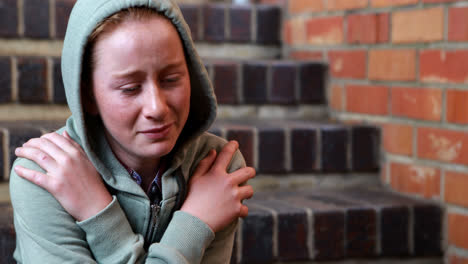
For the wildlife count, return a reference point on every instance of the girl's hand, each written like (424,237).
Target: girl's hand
(214,195)
(70,177)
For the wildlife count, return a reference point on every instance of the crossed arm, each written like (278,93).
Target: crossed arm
(67,175)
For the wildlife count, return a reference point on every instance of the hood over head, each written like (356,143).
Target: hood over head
(85,16)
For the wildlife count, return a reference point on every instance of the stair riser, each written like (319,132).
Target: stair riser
(257,82)
(322,226)
(283,149)
(256,24)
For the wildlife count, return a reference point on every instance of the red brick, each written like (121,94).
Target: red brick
(458,24)
(423,25)
(348,64)
(294,31)
(417,103)
(336,97)
(301,6)
(444,66)
(457,106)
(305,55)
(368,28)
(398,139)
(346,4)
(421,180)
(456,184)
(324,30)
(367,99)
(457,260)
(392,65)
(385,3)
(458,230)
(443,145)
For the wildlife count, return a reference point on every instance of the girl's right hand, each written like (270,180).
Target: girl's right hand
(215,196)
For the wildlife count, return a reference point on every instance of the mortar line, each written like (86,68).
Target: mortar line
(20,17)
(411,222)
(227,23)
(275,228)
(52,19)
(287,149)
(14,79)
(6,153)
(50,80)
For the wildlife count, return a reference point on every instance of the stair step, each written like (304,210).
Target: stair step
(335,224)
(216,23)
(287,146)
(268,82)
(273,147)
(338,224)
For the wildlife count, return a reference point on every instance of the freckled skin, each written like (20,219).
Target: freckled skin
(141,82)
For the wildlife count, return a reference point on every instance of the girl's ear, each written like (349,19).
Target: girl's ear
(88,101)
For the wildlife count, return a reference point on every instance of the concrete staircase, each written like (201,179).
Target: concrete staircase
(318,196)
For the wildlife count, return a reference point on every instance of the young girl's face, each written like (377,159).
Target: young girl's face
(141,88)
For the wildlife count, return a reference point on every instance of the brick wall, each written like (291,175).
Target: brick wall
(401,64)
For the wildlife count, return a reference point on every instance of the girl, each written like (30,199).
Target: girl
(133,177)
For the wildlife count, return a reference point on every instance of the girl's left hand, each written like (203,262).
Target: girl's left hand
(70,176)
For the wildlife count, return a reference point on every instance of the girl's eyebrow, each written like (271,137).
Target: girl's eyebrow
(135,72)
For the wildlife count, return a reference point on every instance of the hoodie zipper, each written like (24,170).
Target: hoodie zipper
(154,217)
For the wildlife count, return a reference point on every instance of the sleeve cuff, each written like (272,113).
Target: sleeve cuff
(108,230)
(188,235)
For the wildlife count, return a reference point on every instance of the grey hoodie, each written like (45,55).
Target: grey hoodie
(128,230)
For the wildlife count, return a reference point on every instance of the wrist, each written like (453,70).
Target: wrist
(94,207)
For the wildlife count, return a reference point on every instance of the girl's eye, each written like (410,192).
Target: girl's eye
(130,89)
(171,79)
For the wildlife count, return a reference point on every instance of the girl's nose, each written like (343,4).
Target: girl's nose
(155,104)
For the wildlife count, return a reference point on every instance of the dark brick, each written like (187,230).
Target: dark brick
(283,83)
(19,136)
(36,18)
(32,80)
(329,228)
(214,22)
(268,24)
(361,222)
(5,80)
(8,18)
(271,150)
(292,230)
(240,23)
(192,17)
(365,144)
(7,234)
(304,149)
(361,232)
(59,89)
(63,9)
(257,236)
(312,83)
(245,137)
(225,82)
(255,82)
(427,230)
(334,148)
(394,223)
(2,159)
(394,219)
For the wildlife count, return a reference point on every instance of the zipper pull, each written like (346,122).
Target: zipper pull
(155,208)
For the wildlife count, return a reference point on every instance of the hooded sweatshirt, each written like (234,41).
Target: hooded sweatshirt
(129,229)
